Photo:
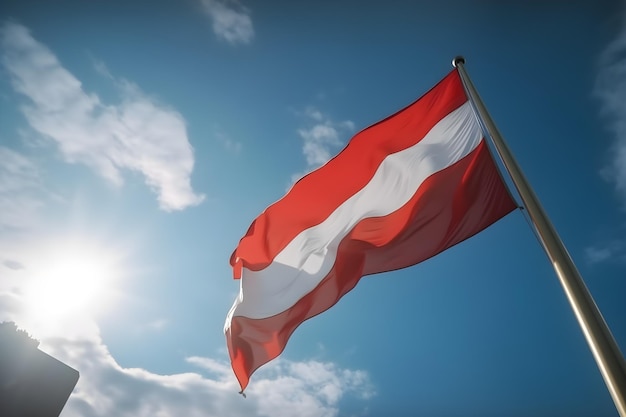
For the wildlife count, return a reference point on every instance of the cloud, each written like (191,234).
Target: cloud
(14,265)
(321,140)
(597,254)
(231,21)
(283,389)
(207,388)
(612,251)
(22,198)
(20,190)
(610,90)
(229,144)
(101,68)
(215,367)
(139,134)
(158,324)
(111,140)
(308,389)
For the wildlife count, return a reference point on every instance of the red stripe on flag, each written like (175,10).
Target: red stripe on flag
(449,207)
(312,199)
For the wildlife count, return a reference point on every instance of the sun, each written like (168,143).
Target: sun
(72,279)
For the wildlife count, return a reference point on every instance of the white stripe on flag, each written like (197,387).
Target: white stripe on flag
(309,257)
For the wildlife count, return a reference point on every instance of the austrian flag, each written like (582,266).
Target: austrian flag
(403,190)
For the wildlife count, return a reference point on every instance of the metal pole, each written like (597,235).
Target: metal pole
(599,337)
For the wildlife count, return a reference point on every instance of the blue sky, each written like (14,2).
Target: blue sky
(138,140)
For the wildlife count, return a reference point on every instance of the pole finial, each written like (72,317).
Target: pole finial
(458,60)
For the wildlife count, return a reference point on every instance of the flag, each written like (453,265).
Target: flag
(401,191)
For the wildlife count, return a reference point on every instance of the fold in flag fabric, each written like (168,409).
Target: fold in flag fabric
(401,191)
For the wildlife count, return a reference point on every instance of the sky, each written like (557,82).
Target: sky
(138,140)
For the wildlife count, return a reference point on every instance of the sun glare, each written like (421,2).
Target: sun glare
(75,280)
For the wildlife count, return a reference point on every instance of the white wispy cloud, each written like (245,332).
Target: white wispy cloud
(595,254)
(105,388)
(228,143)
(308,389)
(23,197)
(230,19)
(610,91)
(158,324)
(20,190)
(138,134)
(13,264)
(142,135)
(321,139)
(613,250)
(283,388)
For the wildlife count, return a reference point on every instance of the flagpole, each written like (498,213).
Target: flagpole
(601,342)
